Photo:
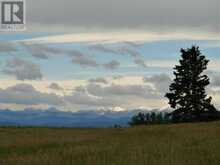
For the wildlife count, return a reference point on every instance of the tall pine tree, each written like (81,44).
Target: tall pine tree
(187,93)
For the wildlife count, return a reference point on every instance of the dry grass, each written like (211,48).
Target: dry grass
(181,144)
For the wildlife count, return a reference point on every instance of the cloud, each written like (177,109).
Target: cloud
(128,51)
(112,65)
(84,60)
(215,80)
(26,94)
(81,96)
(106,37)
(214,77)
(7,47)
(111,95)
(85,99)
(22,69)
(73,53)
(98,80)
(41,51)
(78,57)
(138,59)
(55,86)
(140,62)
(90,95)
(143,91)
(103,49)
(122,51)
(215,92)
(116,77)
(161,82)
(133,44)
(154,15)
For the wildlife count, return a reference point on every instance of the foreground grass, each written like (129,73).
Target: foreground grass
(181,144)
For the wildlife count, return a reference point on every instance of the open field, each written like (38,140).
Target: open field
(181,144)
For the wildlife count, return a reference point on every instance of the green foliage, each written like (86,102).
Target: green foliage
(187,93)
(149,118)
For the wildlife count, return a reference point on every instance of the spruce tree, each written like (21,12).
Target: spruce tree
(187,93)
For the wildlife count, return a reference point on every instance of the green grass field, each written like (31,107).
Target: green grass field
(181,144)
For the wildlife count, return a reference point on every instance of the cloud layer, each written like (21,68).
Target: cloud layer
(22,69)
(27,95)
(122,14)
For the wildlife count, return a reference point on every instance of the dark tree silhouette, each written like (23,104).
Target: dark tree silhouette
(138,119)
(148,118)
(187,93)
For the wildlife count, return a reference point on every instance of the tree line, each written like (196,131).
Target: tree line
(150,118)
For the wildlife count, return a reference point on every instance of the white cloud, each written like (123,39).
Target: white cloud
(113,90)
(126,92)
(98,95)
(117,37)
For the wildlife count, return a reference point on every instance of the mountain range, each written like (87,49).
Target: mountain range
(53,117)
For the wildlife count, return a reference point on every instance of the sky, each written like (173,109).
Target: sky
(95,54)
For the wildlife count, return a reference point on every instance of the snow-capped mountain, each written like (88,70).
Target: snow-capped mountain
(55,118)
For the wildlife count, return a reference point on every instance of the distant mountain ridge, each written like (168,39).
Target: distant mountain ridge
(53,117)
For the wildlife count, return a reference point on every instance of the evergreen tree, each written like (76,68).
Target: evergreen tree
(138,119)
(149,118)
(187,93)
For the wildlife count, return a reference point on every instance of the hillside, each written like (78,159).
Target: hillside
(181,144)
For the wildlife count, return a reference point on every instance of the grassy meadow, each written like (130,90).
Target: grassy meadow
(175,144)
